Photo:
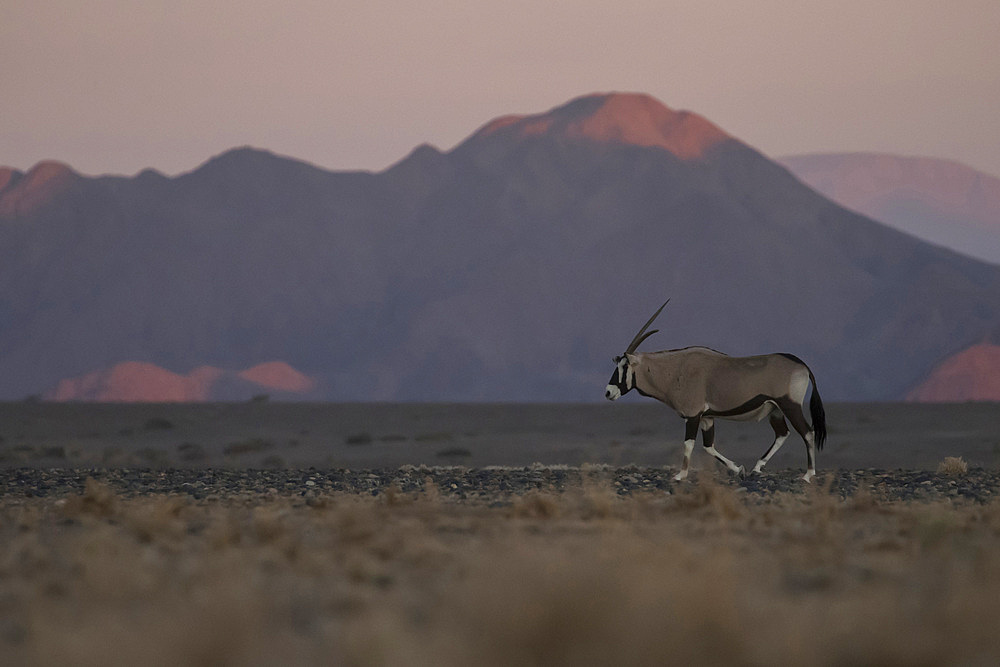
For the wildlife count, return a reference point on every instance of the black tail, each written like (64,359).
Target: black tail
(818,414)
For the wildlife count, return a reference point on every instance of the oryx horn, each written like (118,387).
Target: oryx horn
(641,336)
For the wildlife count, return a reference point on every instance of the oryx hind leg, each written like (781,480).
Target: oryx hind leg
(780,435)
(797,418)
(708,441)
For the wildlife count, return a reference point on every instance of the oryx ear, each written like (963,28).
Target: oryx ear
(632,360)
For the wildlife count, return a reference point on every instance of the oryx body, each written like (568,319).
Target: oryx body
(701,384)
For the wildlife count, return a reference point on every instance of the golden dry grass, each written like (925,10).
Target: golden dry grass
(953,465)
(705,576)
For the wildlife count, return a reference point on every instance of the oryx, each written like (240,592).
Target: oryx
(701,384)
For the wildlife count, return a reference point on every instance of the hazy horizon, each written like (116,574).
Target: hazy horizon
(116,87)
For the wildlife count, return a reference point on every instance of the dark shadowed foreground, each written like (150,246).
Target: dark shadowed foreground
(582,574)
(211,560)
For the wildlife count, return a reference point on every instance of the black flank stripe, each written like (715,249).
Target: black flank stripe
(749,406)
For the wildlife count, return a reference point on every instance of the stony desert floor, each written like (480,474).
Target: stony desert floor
(639,432)
(457,535)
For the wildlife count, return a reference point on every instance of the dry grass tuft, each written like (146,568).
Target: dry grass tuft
(863,500)
(953,466)
(708,494)
(159,519)
(537,505)
(598,500)
(97,499)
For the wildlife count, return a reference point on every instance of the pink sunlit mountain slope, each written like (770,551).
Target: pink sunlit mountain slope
(943,202)
(21,193)
(970,375)
(135,382)
(618,118)
(279,376)
(512,267)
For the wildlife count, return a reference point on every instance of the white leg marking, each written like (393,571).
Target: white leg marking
(729,464)
(775,446)
(811,453)
(688,448)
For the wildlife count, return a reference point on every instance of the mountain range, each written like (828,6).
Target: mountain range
(941,201)
(512,267)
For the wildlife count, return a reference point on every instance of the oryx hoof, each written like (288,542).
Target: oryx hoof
(681,476)
(740,472)
(808,477)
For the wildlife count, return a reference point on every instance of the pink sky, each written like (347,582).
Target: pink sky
(114,86)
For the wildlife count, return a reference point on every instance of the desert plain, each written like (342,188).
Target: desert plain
(374,534)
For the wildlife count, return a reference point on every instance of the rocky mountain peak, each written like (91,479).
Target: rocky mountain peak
(619,118)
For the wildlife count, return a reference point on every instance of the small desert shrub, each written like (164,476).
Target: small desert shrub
(21,453)
(454,452)
(53,453)
(112,455)
(273,462)
(953,466)
(434,437)
(154,456)
(247,446)
(189,451)
(157,424)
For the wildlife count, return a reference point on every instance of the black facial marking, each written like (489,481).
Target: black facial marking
(620,378)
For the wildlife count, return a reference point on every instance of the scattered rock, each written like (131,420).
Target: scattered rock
(496,484)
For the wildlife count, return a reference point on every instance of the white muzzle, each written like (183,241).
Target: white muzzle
(612,393)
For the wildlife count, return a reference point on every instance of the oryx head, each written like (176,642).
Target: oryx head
(623,379)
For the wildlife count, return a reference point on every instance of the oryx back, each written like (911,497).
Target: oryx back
(741,387)
(698,379)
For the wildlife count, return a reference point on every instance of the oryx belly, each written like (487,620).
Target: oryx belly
(750,413)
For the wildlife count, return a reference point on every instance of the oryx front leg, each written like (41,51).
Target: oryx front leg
(708,440)
(690,434)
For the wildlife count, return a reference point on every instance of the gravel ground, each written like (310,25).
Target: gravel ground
(491,485)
